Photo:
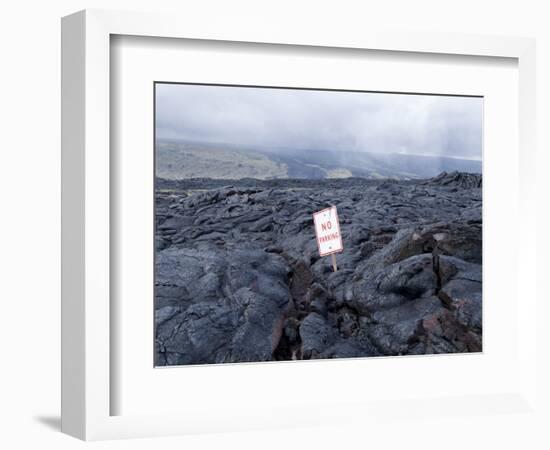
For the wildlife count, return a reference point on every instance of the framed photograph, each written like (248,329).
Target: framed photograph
(254,217)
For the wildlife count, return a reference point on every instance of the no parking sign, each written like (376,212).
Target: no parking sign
(327,231)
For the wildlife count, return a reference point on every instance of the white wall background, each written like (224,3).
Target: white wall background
(29,225)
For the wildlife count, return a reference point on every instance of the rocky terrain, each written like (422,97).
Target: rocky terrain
(239,277)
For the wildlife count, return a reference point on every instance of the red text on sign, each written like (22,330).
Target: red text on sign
(326,225)
(328,237)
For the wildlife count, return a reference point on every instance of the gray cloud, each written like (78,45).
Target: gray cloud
(375,122)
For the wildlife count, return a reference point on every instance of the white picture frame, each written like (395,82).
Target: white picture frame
(86,221)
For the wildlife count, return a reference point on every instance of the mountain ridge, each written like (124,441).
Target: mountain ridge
(180,160)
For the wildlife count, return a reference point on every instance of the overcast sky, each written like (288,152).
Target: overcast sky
(413,124)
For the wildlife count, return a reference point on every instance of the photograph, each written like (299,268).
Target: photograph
(297,224)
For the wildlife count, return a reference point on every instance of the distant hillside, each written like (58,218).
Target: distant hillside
(325,163)
(180,160)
